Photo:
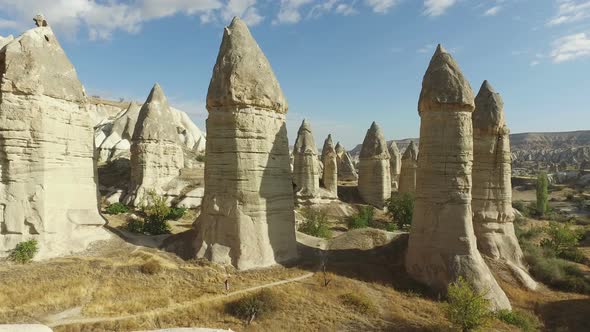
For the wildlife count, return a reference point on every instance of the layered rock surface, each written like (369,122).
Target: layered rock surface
(47,174)
(493,215)
(442,244)
(306,177)
(346,169)
(374,182)
(247,217)
(395,164)
(407,179)
(330,169)
(156,154)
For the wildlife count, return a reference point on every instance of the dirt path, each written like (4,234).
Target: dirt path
(54,320)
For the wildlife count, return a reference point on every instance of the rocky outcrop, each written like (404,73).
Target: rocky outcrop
(395,165)
(5,40)
(493,215)
(442,244)
(346,169)
(407,179)
(305,163)
(156,154)
(47,173)
(247,217)
(330,169)
(374,182)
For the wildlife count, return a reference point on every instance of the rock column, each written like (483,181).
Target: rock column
(407,179)
(395,164)
(346,170)
(306,175)
(247,217)
(156,154)
(47,172)
(329,159)
(374,183)
(493,215)
(442,244)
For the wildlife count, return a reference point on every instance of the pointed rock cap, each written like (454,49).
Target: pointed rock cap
(410,153)
(131,116)
(374,145)
(328,148)
(155,119)
(489,108)
(242,76)
(444,87)
(305,144)
(393,150)
(339,149)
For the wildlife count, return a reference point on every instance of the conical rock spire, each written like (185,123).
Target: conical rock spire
(154,120)
(410,153)
(242,76)
(489,112)
(374,145)
(305,142)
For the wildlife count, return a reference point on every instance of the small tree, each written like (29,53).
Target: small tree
(466,308)
(315,224)
(542,194)
(156,211)
(561,238)
(24,252)
(400,207)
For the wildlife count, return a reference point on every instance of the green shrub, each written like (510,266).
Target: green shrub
(542,194)
(315,224)
(156,212)
(24,251)
(560,238)
(529,234)
(201,158)
(175,213)
(400,207)
(359,302)
(253,306)
(523,320)
(134,225)
(117,208)
(466,308)
(362,219)
(155,226)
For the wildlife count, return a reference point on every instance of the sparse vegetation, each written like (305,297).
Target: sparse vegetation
(362,219)
(24,252)
(156,212)
(175,213)
(523,320)
(560,238)
(117,208)
(542,194)
(201,158)
(400,207)
(359,302)
(151,267)
(315,224)
(253,306)
(466,308)
(134,225)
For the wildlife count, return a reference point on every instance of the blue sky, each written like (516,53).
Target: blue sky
(341,63)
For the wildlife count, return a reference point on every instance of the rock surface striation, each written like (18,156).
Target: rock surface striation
(374,182)
(330,162)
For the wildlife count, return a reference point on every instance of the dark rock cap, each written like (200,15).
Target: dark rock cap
(489,108)
(305,142)
(374,145)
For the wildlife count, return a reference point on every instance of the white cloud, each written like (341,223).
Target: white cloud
(570,47)
(437,7)
(289,11)
(381,6)
(493,11)
(535,63)
(570,11)
(103,18)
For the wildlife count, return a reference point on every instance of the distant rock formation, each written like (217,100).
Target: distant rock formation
(5,40)
(374,182)
(47,173)
(156,154)
(442,244)
(407,179)
(330,163)
(306,175)
(346,169)
(493,215)
(247,217)
(395,165)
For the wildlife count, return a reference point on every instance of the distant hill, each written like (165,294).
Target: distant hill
(552,147)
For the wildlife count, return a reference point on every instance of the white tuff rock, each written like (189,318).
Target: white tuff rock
(330,163)
(374,182)
(407,179)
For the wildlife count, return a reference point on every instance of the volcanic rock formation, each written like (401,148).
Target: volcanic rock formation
(374,182)
(330,163)
(442,245)
(47,173)
(247,217)
(395,165)
(407,179)
(346,169)
(493,215)
(156,155)
(306,175)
